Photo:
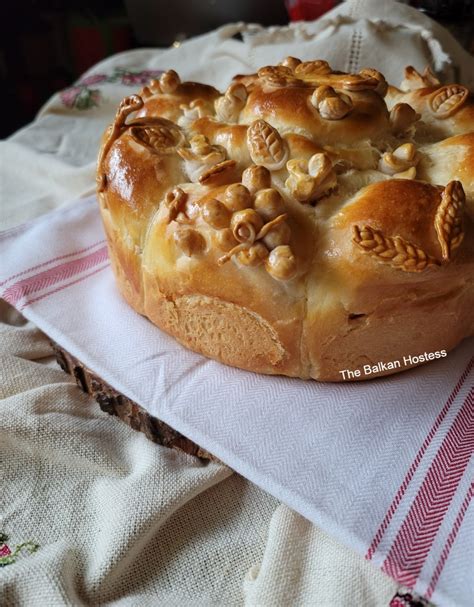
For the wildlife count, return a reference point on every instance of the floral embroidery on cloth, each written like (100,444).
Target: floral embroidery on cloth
(407,598)
(81,96)
(9,556)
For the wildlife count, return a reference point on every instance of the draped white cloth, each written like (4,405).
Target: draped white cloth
(119,520)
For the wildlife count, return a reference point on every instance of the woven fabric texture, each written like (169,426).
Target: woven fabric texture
(117,519)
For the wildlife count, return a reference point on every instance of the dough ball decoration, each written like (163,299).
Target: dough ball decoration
(216,214)
(414,80)
(229,106)
(311,179)
(251,225)
(192,111)
(256,177)
(169,82)
(237,197)
(190,241)
(298,199)
(176,203)
(269,203)
(331,105)
(201,156)
(402,119)
(401,163)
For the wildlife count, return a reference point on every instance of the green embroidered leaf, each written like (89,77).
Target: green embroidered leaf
(30,546)
(87,99)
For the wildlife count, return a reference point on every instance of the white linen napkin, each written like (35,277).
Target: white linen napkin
(385,466)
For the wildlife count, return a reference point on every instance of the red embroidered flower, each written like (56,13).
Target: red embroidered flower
(7,557)
(82,97)
(5,550)
(69,96)
(408,599)
(134,78)
(93,79)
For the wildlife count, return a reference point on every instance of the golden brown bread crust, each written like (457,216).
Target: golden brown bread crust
(299,223)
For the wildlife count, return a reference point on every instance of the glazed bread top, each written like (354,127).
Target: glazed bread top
(296,143)
(297,190)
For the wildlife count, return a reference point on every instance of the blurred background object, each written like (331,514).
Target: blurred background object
(160,23)
(46,45)
(456,15)
(307,10)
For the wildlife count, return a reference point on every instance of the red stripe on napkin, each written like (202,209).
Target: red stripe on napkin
(50,277)
(408,553)
(61,287)
(50,261)
(419,456)
(450,541)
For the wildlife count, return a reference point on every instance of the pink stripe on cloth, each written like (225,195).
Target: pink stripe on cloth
(408,553)
(62,287)
(50,261)
(416,462)
(450,541)
(47,278)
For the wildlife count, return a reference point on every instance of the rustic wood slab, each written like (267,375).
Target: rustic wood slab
(133,415)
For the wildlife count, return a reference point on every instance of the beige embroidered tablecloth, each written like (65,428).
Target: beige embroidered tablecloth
(106,516)
(119,520)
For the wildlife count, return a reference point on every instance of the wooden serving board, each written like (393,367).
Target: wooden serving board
(128,411)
